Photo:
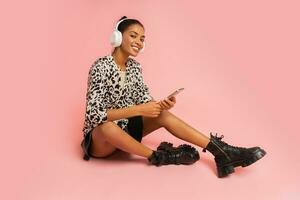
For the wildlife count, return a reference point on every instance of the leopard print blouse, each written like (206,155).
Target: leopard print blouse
(105,92)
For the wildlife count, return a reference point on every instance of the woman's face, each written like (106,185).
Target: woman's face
(132,39)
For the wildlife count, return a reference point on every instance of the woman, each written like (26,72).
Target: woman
(120,111)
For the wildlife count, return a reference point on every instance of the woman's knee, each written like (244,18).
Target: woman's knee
(105,128)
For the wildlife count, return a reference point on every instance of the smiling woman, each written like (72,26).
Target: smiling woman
(129,37)
(120,111)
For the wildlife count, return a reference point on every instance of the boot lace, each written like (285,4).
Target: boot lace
(224,143)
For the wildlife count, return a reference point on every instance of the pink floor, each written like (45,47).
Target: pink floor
(62,174)
(238,60)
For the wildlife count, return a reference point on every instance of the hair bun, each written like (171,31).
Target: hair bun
(124,17)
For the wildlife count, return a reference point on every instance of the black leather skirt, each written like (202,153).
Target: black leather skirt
(134,128)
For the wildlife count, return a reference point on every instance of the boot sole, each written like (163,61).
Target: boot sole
(257,155)
(229,168)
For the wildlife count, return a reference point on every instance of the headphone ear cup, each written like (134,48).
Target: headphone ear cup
(116,38)
(143,47)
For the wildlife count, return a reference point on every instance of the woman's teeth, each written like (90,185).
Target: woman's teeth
(135,48)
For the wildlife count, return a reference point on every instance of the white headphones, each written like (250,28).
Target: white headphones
(115,38)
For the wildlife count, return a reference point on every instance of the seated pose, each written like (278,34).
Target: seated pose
(120,111)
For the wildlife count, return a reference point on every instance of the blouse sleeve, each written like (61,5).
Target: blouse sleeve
(144,93)
(96,111)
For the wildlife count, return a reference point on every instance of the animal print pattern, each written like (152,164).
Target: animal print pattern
(105,92)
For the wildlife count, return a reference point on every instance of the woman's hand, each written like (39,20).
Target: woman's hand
(150,109)
(166,104)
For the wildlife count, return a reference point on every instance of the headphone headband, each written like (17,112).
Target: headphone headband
(120,22)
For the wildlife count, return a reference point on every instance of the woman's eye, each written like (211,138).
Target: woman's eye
(134,36)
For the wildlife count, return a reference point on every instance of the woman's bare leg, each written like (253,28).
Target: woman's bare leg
(113,135)
(175,126)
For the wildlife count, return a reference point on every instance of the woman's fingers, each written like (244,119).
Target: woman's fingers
(161,105)
(173,99)
(169,103)
(165,104)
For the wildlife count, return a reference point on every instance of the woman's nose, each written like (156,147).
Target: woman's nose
(139,43)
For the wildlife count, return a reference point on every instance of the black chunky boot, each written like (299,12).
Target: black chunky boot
(166,155)
(167,146)
(227,157)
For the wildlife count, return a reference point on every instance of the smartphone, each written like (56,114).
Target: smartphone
(175,93)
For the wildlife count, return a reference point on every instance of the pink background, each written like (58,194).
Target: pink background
(237,60)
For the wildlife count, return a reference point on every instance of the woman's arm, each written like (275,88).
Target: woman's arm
(121,113)
(96,111)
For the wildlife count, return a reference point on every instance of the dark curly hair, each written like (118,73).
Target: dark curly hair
(126,23)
